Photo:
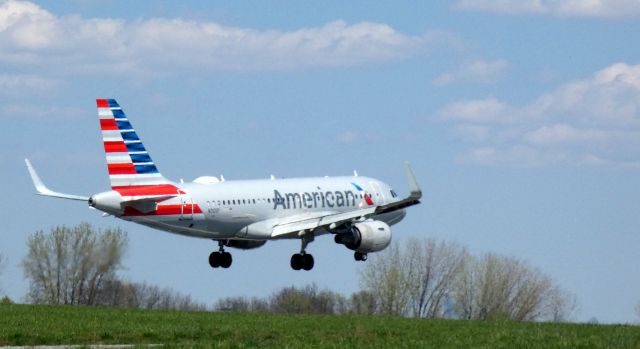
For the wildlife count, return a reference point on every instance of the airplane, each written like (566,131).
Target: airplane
(242,214)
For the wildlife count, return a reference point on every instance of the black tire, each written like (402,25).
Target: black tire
(296,261)
(226,260)
(214,259)
(359,256)
(307,262)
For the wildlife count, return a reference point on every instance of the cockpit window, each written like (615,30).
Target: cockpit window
(393,193)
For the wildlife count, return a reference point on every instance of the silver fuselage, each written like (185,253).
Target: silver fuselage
(232,209)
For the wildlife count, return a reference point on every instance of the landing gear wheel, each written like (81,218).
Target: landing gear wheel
(225,259)
(307,262)
(296,261)
(214,259)
(359,256)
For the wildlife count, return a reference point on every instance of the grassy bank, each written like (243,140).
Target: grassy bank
(33,325)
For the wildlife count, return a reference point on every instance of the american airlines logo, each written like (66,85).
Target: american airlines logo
(317,199)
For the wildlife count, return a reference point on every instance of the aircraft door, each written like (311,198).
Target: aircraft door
(186,207)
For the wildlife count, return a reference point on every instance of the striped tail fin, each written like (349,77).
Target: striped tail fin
(128,161)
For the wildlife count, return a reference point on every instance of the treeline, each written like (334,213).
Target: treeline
(78,266)
(424,279)
(429,279)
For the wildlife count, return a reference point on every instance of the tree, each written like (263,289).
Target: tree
(69,265)
(2,263)
(498,287)
(415,280)
(431,269)
(116,293)
(307,300)
(561,305)
(243,304)
(362,303)
(385,278)
(431,279)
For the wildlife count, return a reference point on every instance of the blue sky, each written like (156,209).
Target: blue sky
(521,118)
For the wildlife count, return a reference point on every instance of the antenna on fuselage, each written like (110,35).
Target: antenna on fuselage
(273,177)
(355,173)
(221,178)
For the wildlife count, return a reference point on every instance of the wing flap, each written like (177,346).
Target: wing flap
(290,228)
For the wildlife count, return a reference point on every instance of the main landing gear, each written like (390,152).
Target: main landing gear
(303,260)
(220,258)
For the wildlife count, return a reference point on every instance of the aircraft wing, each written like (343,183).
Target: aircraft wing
(326,221)
(332,220)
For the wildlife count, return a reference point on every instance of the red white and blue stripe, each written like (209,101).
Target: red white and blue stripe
(132,172)
(128,162)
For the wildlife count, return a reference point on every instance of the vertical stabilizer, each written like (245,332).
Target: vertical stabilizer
(128,161)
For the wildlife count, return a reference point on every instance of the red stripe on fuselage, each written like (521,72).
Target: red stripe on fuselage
(368,199)
(102,103)
(164,210)
(142,190)
(116,169)
(115,147)
(108,124)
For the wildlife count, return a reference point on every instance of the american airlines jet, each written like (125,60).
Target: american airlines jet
(242,214)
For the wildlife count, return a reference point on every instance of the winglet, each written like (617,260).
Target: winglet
(416,192)
(42,189)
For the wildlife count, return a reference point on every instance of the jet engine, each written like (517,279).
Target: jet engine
(365,237)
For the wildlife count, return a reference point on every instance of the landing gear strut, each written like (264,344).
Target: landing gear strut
(220,258)
(303,260)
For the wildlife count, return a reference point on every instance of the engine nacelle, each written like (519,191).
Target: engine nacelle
(365,237)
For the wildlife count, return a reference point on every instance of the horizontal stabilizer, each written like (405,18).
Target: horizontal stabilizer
(42,189)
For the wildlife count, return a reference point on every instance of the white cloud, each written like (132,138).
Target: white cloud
(32,35)
(10,82)
(561,133)
(488,110)
(39,112)
(568,8)
(592,121)
(517,155)
(475,71)
(611,96)
(471,133)
(349,137)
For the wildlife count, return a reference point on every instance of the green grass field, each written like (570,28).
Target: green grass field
(34,325)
